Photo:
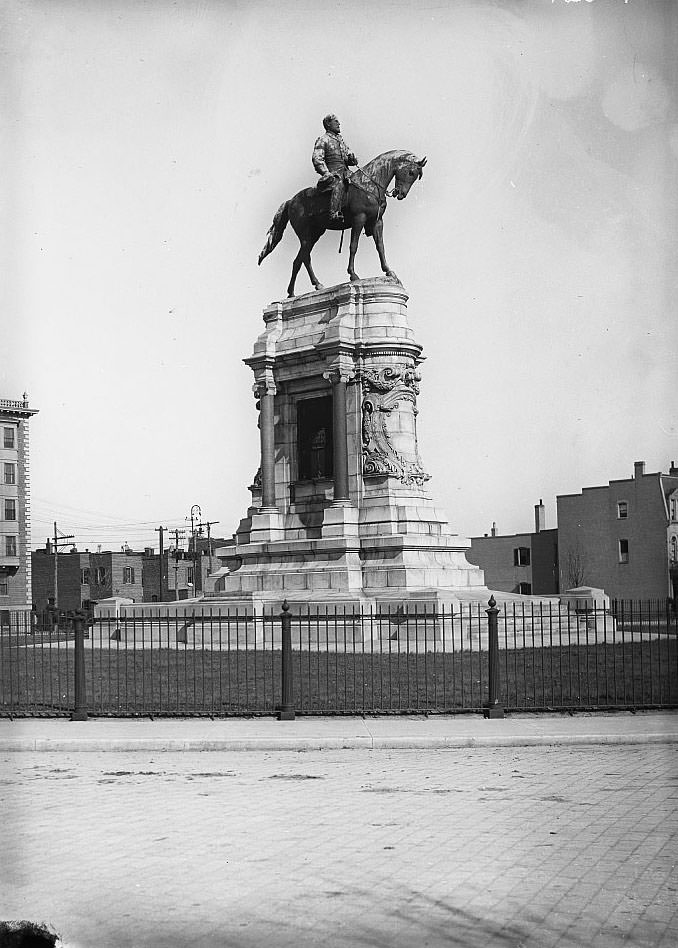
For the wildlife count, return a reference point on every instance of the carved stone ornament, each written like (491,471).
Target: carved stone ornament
(265,386)
(339,374)
(389,435)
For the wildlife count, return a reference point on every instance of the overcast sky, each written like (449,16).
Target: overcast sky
(146,146)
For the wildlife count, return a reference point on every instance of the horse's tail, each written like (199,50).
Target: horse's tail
(276,229)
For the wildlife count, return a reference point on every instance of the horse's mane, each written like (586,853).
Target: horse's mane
(387,156)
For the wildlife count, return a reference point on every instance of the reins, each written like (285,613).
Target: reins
(381,187)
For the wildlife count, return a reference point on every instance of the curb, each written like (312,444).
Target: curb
(125,745)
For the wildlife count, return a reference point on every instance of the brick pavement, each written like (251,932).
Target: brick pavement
(522,847)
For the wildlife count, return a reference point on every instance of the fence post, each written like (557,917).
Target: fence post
(493,708)
(80,711)
(286,710)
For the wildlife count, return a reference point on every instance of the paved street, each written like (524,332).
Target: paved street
(531,847)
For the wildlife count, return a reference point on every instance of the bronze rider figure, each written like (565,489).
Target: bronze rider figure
(331,159)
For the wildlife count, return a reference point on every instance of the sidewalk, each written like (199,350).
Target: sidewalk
(416,732)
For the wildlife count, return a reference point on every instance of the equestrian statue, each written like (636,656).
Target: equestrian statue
(343,200)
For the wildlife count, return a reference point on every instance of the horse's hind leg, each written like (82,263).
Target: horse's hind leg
(307,263)
(304,256)
(358,224)
(295,270)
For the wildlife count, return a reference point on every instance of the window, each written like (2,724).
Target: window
(8,437)
(10,546)
(622,510)
(4,588)
(674,549)
(623,551)
(189,577)
(521,556)
(10,509)
(128,574)
(525,589)
(100,575)
(84,576)
(314,438)
(10,473)
(674,509)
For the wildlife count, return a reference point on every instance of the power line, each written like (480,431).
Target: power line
(115,525)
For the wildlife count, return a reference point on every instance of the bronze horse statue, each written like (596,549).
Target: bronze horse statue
(363,207)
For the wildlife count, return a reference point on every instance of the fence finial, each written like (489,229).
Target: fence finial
(285,606)
(492,602)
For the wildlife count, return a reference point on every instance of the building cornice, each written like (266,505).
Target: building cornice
(10,408)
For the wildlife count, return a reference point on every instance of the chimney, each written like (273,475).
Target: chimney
(48,546)
(539,517)
(638,469)
(673,470)
(493,532)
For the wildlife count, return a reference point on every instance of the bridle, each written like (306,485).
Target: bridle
(386,193)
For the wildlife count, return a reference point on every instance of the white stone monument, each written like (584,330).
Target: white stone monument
(341,510)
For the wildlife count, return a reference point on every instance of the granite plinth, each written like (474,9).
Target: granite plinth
(386,541)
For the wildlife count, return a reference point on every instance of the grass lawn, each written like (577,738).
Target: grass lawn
(188,681)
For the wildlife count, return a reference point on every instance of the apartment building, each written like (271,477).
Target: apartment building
(15,505)
(623,536)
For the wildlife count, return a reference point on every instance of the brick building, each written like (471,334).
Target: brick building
(83,577)
(524,563)
(622,537)
(15,505)
(89,577)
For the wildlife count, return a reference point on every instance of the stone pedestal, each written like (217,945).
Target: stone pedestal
(340,506)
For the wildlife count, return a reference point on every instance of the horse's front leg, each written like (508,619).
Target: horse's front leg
(358,224)
(379,242)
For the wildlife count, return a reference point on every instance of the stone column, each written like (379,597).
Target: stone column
(341,517)
(340,442)
(339,377)
(265,392)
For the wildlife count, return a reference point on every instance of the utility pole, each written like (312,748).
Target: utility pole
(208,524)
(161,532)
(176,560)
(58,541)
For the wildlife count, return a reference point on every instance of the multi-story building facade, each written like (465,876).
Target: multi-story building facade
(622,537)
(523,563)
(15,505)
(84,577)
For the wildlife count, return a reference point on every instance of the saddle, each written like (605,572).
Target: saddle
(326,186)
(327,182)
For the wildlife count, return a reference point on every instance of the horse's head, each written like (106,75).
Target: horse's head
(409,170)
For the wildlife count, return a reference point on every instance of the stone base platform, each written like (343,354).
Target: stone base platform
(369,570)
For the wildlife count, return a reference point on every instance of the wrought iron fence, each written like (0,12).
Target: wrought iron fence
(399,659)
